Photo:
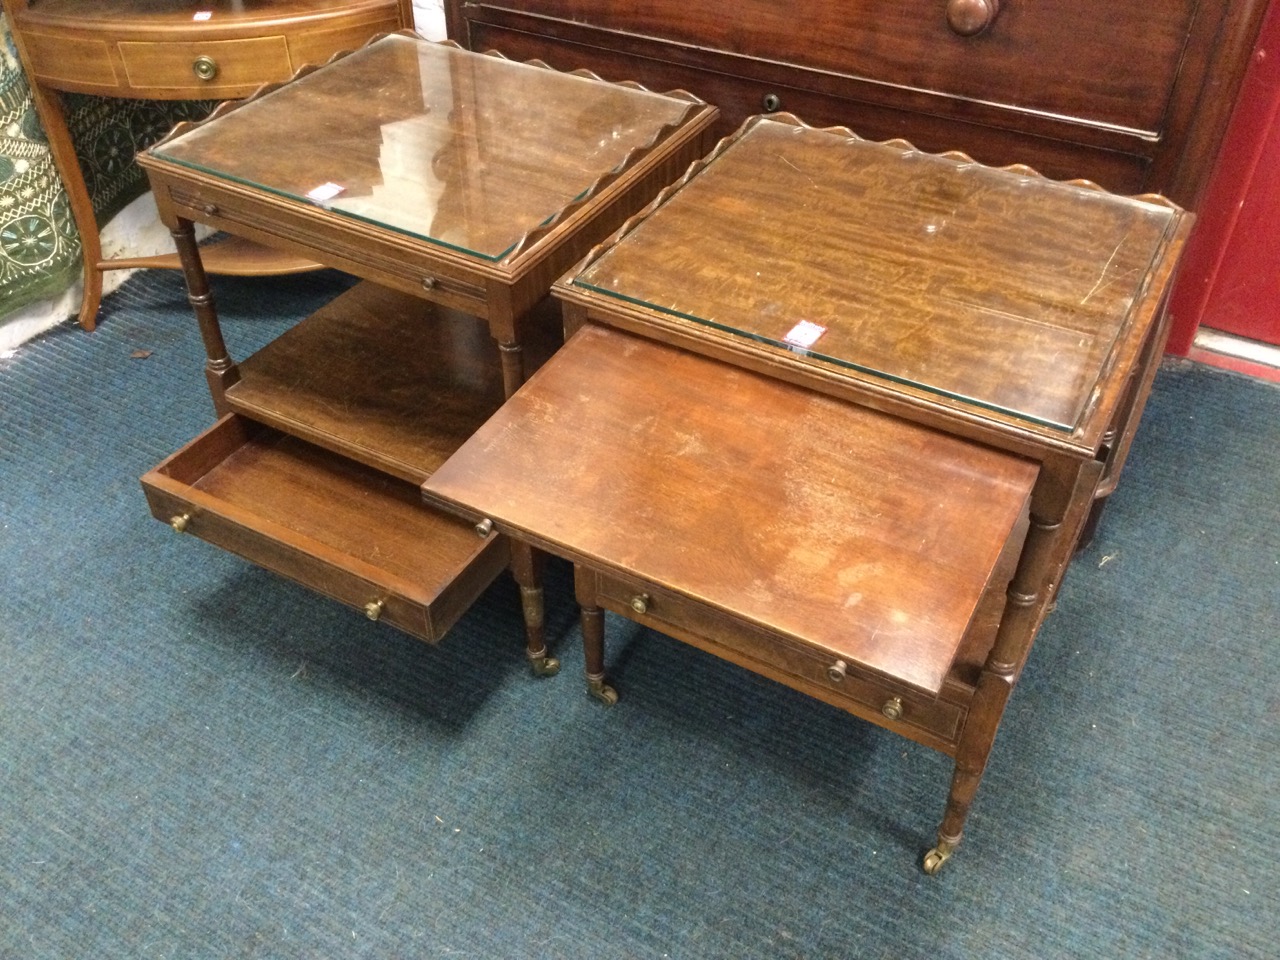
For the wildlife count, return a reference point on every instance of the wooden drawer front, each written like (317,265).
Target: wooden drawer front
(1119,163)
(1122,55)
(79,63)
(119,48)
(235,67)
(342,529)
(318,44)
(410,266)
(719,632)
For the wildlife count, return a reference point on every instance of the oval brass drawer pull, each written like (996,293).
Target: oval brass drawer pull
(484,528)
(373,609)
(180,522)
(892,708)
(640,603)
(836,672)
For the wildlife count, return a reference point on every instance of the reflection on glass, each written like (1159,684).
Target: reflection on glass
(993,288)
(457,148)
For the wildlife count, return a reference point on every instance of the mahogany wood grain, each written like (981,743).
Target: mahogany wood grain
(993,303)
(741,88)
(796,508)
(1019,60)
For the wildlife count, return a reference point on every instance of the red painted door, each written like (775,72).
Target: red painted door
(1231,275)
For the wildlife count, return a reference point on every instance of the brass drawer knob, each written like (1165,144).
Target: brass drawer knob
(205,68)
(892,708)
(835,672)
(484,528)
(180,522)
(373,609)
(429,283)
(968,18)
(771,103)
(640,603)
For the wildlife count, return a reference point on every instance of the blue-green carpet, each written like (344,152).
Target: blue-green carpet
(199,759)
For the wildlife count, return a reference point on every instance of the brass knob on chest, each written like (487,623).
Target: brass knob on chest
(640,603)
(892,708)
(429,283)
(205,68)
(835,672)
(484,528)
(969,18)
(210,209)
(373,609)
(180,522)
(772,103)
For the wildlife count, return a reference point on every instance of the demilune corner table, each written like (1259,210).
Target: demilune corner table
(458,186)
(837,411)
(166,50)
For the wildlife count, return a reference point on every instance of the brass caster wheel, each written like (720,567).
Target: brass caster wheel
(935,858)
(544,666)
(602,692)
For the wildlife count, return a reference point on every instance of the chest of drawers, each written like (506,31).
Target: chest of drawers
(1132,94)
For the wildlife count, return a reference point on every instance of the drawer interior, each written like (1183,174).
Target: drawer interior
(339,527)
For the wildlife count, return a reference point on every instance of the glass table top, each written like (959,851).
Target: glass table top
(1001,290)
(460,149)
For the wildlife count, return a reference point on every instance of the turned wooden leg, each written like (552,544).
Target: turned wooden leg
(53,119)
(592,619)
(526,567)
(1062,494)
(971,762)
(512,366)
(220,370)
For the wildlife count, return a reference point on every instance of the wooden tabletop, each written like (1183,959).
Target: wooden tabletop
(474,153)
(988,289)
(864,535)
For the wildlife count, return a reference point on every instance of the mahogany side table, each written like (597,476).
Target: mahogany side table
(160,50)
(874,392)
(458,186)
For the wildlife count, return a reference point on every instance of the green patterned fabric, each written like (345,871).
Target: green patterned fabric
(39,245)
(108,132)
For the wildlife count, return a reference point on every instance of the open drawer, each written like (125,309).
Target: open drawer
(338,527)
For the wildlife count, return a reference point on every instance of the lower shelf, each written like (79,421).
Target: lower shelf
(232,257)
(389,379)
(338,527)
